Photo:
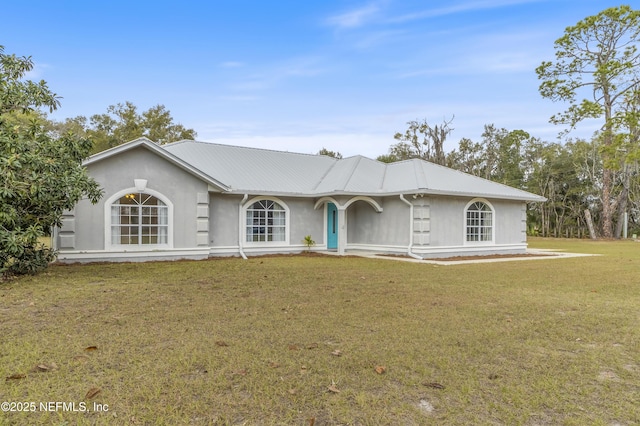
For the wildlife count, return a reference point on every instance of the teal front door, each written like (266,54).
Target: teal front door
(332,226)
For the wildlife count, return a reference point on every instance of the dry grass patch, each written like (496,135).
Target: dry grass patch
(282,340)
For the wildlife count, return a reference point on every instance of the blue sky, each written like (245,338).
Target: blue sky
(302,75)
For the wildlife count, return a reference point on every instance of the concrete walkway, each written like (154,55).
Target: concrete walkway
(535,254)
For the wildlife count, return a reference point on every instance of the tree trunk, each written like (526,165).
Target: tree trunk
(592,231)
(621,211)
(622,204)
(607,207)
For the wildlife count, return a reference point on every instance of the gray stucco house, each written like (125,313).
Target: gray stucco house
(194,199)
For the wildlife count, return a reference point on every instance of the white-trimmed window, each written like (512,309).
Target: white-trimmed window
(479,222)
(266,221)
(139,219)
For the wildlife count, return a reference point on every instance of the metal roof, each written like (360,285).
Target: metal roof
(262,171)
(255,170)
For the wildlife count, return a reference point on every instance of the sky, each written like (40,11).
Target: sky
(302,75)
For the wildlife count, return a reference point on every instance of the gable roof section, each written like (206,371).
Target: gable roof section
(158,150)
(352,175)
(255,170)
(263,171)
(431,178)
(241,170)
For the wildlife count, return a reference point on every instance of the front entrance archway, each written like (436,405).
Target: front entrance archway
(336,219)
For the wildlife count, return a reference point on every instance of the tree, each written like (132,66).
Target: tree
(420,140)
(468,157)
(387,158)
(498,157)
(596,71)
(334,154)
(122,123)
(40,175)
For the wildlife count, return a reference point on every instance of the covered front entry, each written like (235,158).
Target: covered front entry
(332,227)
(336,219)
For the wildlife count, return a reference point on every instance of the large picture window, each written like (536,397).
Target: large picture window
(139,219)
(266,222)
(479,227)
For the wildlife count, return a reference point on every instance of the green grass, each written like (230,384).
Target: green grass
(542,342)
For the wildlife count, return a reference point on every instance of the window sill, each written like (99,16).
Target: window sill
(139,247)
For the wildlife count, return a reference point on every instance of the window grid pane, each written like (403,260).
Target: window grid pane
(139,219)
(265,222)
(479,223)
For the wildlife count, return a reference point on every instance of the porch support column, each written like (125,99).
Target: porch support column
(342,229)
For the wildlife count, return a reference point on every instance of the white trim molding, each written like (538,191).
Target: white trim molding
(243,222)
(83,256)
(143,247)
(493,224)
(324,201)
(377,207)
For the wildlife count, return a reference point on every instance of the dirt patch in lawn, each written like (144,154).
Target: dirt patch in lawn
(485,257)
(490,256)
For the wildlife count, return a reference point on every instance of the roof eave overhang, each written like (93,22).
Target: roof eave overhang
(153,147)
(527,198)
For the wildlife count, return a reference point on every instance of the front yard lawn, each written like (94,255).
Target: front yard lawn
(327,340)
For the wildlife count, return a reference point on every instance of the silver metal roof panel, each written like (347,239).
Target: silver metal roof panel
(255,171)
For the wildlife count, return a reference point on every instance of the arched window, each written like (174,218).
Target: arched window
(479,225)
(266,222)
(139,219)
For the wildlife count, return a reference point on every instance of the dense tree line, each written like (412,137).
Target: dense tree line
(569,174)
(123,123)
(596,71)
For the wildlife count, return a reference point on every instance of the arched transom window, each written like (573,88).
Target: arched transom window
(139,219)
(266,221)
(479,222)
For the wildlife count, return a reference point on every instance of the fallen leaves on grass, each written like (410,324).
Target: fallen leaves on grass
(91,348)
(337,352)
(222,343)
(433,385)
(15,376)
(333,388)
(41,368)
(312,346)
(380,369)
(92,393)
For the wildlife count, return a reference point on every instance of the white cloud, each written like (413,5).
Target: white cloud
(354,18)
(458,8)
(37,72)
(506,52)
(348,144)
(270,75)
